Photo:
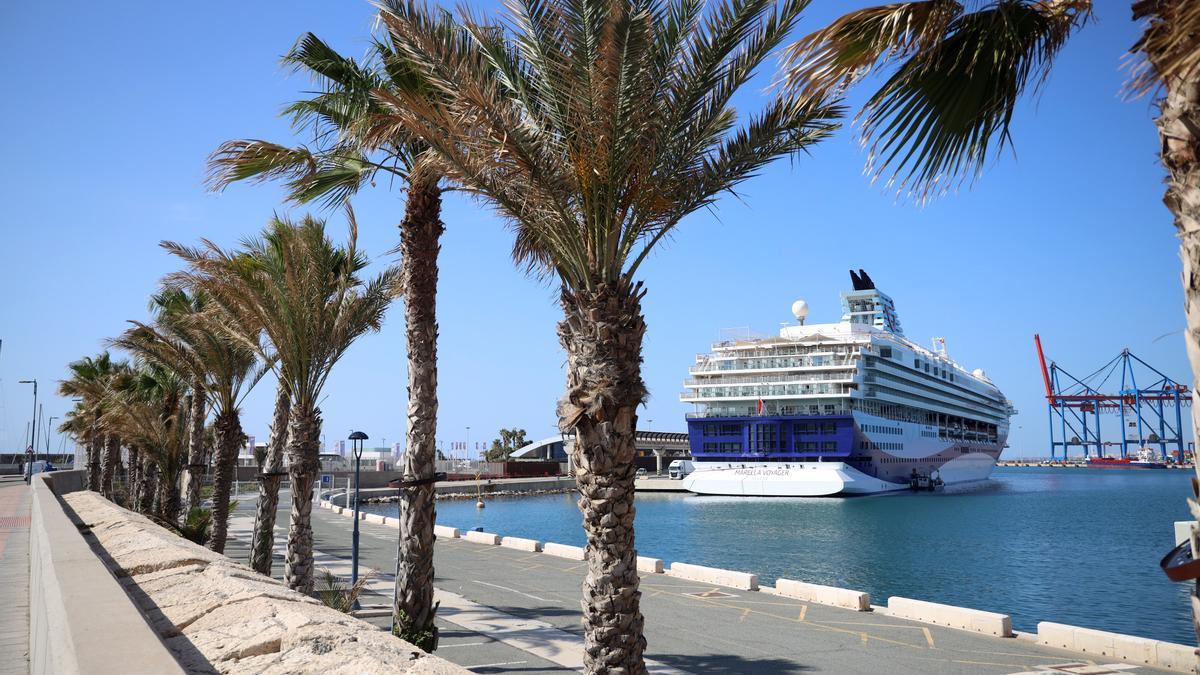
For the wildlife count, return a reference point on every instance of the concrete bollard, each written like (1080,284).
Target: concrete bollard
(649,565)
(375,518)
(444,531)
(824,595)
(712,575)
(520,544)
(1128,648)
(481,537)
(979,621)
(563,551)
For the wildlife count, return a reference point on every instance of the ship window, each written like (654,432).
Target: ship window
(828,428)
(829,446)
(885,352)
(917,363)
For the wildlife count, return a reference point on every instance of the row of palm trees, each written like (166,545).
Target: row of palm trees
(593,127)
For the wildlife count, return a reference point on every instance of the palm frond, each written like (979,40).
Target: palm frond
(1167,49)
(594,127)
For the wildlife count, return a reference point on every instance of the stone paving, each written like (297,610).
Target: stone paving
(14,575)
(692,627)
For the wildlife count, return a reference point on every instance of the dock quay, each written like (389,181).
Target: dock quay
(701,619)
(508,605)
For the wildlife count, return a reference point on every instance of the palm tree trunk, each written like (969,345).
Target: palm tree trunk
(135,470)
(229,435)
(149,485)
(94,444)
(1179,130)
(263,542)
(196,464)
(412,604)
(602,333)
(108,464)
(168,497)
(304,438)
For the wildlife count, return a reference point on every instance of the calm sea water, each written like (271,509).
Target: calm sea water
(1076,546)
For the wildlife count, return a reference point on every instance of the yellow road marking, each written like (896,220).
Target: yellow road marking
(928,637)
(803,611)
(864,637)
(745,613)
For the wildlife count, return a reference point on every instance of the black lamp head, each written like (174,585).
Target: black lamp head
(358,436)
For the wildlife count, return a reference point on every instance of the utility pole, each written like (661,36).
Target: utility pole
(33,423)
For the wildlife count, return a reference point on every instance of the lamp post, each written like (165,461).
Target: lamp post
(49,426)
(356,444)
(33,424)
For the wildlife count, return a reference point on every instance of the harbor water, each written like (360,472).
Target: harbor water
(1076,546)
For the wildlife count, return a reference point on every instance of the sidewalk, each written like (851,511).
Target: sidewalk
(14,575)
(522,611)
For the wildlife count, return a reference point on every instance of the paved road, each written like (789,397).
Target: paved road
(14,575)
(689,626)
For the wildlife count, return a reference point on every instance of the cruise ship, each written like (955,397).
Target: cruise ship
(847,408)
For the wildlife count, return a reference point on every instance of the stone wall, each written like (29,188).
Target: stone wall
(80,619)
(217,616)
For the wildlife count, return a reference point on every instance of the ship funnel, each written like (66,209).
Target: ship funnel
(800,311)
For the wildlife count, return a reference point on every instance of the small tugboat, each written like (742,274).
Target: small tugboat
(1144,459)
(926,482)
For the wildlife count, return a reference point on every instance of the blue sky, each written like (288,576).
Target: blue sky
(113,107)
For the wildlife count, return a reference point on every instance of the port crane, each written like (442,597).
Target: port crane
(1149,403)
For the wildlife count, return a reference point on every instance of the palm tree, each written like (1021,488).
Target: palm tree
(304,294)
(594,128)
(148,407)
(184,338)
(341,162)
(90,381)
(957,73)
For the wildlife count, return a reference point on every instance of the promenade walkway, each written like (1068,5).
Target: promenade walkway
(14,575)
(509,611)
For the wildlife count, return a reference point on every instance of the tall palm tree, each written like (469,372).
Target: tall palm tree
(294,286)
(185,339)
(957,73)
(594,128)
(342,161)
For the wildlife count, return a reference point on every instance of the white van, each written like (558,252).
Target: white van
(679,468)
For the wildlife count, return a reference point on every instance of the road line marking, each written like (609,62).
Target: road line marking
(803,611)
(863,636)
(928,637)
(745,613)
(506,588)
(493,665)
(465,644)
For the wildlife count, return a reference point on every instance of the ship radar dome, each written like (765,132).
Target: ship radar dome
(800,310)
(978,372)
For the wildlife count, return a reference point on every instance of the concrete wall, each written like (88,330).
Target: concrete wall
(215,615)
(81,620)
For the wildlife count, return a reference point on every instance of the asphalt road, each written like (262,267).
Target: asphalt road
(690,626)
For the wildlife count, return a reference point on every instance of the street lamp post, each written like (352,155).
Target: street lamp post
(33,424)
(49,426)
(356,444)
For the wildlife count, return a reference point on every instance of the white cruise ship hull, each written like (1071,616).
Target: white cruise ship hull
(817,479)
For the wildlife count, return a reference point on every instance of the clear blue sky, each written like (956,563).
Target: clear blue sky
(113,107)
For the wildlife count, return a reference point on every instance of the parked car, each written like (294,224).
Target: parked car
(641,473)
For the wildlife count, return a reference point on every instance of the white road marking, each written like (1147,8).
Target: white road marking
(506,588)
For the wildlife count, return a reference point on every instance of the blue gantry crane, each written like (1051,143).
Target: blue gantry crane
(1149,403)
